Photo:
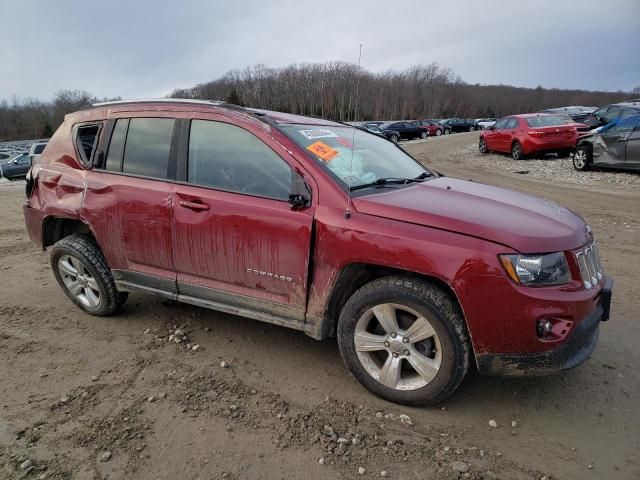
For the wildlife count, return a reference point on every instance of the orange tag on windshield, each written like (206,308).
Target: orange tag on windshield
(322,150)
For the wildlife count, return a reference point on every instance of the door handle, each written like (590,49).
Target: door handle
(194,205)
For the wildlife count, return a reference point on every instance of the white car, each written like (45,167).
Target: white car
(36,150)
(485,123)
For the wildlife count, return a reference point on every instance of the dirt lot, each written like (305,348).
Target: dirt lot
(86,397)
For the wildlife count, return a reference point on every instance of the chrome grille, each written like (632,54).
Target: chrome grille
(590,266)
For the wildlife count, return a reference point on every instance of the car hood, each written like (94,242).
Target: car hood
(525,223)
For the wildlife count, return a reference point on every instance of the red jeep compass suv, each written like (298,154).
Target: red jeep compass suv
(320,227)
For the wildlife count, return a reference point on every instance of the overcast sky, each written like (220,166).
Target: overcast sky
(138,49)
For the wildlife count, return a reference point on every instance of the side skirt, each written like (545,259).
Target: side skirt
(136,282)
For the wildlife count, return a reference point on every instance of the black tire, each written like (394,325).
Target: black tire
(582,158)
(442,313)
(395,138)
(482,146)
(472,128)
(564,153)
(447,132)
(84,249)
(516,151)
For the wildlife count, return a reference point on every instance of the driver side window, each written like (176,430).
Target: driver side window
(501,124)
(227,157)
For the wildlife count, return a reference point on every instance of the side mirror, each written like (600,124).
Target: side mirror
(492,127)
(298,201)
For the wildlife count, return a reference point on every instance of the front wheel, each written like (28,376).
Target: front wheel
(516,151)
(405,340)
(582,158)
(482,146)
(395,138)
(438,132)
(447,132)
(423,135)
(472,128)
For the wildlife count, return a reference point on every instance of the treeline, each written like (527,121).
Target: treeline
(31,119)
(330,89)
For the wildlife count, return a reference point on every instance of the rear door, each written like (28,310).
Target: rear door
(633,145)
(611,149)
(237,241)
(128,200)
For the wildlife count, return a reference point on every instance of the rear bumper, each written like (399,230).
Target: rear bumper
(532,145)
(578,346)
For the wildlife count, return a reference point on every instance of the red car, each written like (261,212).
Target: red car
(522,135)
(319,227)
(434,128)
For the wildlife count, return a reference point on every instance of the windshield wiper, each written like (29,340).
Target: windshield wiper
(392,181)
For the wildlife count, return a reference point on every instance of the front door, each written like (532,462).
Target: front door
(236,239)
(610,148)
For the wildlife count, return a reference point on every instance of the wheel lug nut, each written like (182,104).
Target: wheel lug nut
(405,340)
(386,344)
(395,355)
(393,335)
(406,352)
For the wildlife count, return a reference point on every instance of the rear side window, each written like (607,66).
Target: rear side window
(147,147)
(113,162)
(230,158)
(39,149)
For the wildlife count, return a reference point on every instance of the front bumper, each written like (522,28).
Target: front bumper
(578,346)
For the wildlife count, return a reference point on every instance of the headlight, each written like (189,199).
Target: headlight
(549,269)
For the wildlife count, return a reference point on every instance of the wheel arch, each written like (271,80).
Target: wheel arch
(355,275)
(55,228)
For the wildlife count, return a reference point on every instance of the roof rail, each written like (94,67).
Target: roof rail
(160,100)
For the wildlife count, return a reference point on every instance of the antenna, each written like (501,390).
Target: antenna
(347,212)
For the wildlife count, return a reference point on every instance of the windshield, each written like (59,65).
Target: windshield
(545,121)
(371,158)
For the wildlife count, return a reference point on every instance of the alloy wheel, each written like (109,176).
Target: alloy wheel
(398,346)
(438,132)
(79,281)
(482,146)
(580,159)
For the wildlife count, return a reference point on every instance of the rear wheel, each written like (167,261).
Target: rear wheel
(395,138)
(564,152)
(423,135)
(516,151)
(582,158)
(438,132)
(471,128)
(404,340)
(83,273)
(447,132)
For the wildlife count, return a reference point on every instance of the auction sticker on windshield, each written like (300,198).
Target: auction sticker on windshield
(322,150)
(317,133)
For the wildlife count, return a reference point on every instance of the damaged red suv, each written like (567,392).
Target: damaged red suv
(319,227)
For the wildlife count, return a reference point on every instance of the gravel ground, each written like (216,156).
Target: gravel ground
(548,167)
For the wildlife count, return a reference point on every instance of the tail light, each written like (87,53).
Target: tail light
(535,133)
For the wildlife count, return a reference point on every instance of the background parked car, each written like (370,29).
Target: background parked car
(36,150)
(615,146)
(459,124)
(482,123)
(609,113)
(433,127)
(530,133)
(407,130)
(389,134)
(581,128)
(17,167)
(578,114)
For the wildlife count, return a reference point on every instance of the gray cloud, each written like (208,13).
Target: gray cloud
(146,48)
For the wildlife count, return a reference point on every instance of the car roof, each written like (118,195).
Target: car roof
(627,104)
(183,104)
(529,115)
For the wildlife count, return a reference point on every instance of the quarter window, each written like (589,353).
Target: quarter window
(147,147)
(511,123)
(86,141)
(501,124)
(230,158)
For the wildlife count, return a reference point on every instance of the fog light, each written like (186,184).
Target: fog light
(553,329)
(543,327)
